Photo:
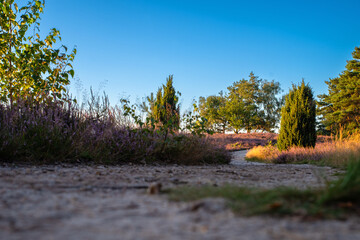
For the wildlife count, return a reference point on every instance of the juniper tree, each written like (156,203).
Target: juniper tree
(298,118)
(166,110)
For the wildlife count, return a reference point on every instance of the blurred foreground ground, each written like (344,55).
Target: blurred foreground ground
(97,202)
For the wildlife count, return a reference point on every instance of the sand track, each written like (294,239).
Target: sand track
(98,202)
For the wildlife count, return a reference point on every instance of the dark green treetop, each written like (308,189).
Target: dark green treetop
(340,108)
(298,118)
(165,109)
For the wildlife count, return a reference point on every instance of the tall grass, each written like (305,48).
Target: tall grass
(55,131)
(335,153)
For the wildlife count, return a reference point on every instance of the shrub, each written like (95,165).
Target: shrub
(297,126)
(51,131)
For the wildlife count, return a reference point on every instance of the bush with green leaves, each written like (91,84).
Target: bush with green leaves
(298,118)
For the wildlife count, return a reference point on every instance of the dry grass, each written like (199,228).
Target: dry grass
(263,154)
(331,153)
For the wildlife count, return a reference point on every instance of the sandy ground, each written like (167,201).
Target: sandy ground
(99,202)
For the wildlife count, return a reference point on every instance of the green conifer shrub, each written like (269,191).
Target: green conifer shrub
(166,109)
(297,127)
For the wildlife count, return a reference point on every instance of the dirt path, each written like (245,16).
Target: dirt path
(96,202)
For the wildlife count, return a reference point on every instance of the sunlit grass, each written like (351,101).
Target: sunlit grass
(263,153)
(332,153)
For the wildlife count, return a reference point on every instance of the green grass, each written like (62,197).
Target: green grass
(338,199)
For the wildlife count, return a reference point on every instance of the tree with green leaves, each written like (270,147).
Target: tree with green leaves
(269,105)
(252,104)
(340,108)
(298,118)
(30,66)
(213,109)
(165,109)
(241,104)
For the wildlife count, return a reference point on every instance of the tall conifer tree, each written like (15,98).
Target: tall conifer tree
(166,109)
(298,118)
(341,106)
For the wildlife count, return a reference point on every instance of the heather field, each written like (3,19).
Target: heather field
(242,141)
(63,132)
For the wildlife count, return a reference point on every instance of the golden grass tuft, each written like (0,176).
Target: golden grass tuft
(336,153)
(263,154)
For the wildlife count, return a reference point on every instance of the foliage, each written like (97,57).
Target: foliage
(339,199)
(53,131)
(213,109)
(30,66)
(249,105)
(163,116)
(163,110)
(194,123)
(252,104)
(298,119)
(270,105)
(341,106)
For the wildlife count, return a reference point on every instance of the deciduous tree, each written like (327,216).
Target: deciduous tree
(253,104)
(242,103)
(29,65)
(213,108)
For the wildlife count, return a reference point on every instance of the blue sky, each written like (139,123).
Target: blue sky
(129,47)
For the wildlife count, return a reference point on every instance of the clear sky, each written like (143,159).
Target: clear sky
(129,47)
